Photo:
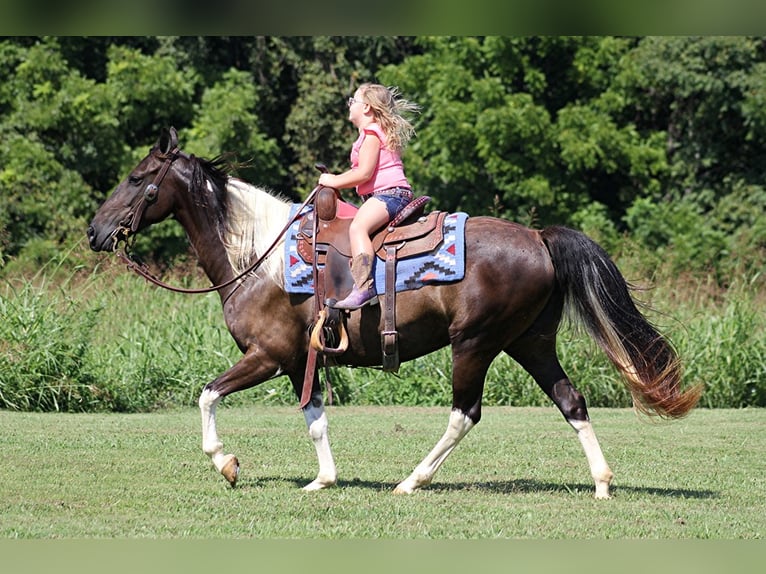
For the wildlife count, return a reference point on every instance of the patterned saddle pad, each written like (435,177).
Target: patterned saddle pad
(445,264)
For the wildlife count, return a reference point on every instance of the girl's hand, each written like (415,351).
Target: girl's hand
(327,179)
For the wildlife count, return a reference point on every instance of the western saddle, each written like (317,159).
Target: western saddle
(323,242)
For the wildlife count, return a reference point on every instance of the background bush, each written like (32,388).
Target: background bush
(106,340)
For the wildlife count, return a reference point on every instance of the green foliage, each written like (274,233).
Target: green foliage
(29,173)
(317,131)
(44,336)
(677,230)
(519,126)
(739,215)
(727,352)
(149,92)
(226,120)
(726,239)
(537,129)
(754,104)
(593,220)
(73,116)
(700,91)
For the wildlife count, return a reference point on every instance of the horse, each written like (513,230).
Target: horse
(519,284)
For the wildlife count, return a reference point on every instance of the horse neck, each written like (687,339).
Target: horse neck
(208,246)
(254,219)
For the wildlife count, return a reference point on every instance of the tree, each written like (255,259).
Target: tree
(516,127)
(226,119)
(704,94)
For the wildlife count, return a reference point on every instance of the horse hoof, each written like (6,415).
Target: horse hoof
(602,485)
(317,485)
(230,470)
(400,489)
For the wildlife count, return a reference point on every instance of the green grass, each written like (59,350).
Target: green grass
(520,474)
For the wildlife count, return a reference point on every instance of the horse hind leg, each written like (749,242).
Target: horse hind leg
(468,372)
(544,367)
(571,403)
(599,469)
(458,426)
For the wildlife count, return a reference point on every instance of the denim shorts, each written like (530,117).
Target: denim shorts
(395,200)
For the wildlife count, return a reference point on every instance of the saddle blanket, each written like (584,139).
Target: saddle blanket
(444,264)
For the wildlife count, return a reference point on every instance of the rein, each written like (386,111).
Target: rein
(150,196)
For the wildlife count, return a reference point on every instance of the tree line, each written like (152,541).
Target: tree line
(661,140)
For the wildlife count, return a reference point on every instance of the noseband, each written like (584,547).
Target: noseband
(151,192)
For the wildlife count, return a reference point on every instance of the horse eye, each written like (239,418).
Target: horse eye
(135,180)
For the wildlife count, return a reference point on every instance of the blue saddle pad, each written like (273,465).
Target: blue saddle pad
(445,264)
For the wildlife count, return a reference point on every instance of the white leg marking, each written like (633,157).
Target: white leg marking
(211,444)
(458,427)
(599,469)
(316,420)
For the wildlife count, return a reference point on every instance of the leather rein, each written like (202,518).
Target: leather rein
(130,225)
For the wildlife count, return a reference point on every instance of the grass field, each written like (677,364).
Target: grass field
(520,474)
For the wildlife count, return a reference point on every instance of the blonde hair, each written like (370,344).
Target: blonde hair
(388,108)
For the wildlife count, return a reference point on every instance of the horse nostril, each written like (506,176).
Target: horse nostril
(91,236)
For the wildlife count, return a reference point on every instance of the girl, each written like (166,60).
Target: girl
(377,173)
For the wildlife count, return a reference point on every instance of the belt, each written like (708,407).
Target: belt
(403,192)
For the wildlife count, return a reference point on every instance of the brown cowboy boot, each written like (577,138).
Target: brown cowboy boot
(363,292)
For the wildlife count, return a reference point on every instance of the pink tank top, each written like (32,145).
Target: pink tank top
(388,173)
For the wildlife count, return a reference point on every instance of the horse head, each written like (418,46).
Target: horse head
(138,200)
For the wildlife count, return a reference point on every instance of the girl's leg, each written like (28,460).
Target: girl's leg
(372,215)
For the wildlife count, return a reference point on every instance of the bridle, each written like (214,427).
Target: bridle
(128,227)
(130,224)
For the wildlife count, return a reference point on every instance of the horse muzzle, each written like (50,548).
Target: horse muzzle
(106,242)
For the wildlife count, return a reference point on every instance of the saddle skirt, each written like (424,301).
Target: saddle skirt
(431,250)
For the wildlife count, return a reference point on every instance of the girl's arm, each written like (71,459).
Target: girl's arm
(368,161)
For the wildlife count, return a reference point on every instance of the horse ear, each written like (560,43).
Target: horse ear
(173,138)
(168,140)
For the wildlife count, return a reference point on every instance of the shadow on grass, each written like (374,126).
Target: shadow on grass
(518,486)
(526,486)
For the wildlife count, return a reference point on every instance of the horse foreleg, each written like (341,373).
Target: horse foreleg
(316,420)
(458,427)
(254,368)
(599,469)
(226,464)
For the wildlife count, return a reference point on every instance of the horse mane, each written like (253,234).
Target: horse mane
(208,184)
(248,218)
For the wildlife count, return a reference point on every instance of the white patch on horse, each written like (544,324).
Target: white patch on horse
(254,219)
(316,420)
(458,427)
(599,469)
(211,444)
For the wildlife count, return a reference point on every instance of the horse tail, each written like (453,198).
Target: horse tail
(596,292)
